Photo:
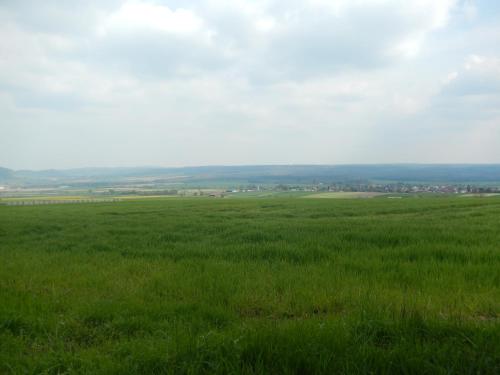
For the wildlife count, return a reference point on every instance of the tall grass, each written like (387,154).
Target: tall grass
(251,286)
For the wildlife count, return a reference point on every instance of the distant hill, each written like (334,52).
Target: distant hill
(5,174)
(271,174)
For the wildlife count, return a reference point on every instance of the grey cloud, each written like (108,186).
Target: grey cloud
(312,42)
(319,42)
(473,95)
(315,42)
(473,83)
(57,17)
(153,55)
(25,98)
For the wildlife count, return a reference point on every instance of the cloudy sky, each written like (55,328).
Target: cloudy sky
(204,82)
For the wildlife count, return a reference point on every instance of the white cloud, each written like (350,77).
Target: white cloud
(134,15)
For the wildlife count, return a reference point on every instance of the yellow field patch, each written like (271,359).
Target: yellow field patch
(44,197)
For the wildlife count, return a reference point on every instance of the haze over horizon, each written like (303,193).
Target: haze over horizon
(145,168)
(219,82)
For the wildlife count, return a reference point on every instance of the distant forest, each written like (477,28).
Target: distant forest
(270,174)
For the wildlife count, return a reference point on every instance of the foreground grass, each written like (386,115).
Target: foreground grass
(251,286)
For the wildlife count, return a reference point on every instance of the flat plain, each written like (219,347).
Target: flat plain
(345,195)
(282,286)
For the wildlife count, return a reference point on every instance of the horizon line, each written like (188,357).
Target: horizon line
(250,165)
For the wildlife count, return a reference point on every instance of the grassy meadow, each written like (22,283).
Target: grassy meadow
(345,195)
(252,286)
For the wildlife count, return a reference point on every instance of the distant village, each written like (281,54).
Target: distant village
(253,189)
(403,188)
(394,188)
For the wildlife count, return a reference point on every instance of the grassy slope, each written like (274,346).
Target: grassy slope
(252,286)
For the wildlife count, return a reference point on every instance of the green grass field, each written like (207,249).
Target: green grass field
(345,195)
(267,286)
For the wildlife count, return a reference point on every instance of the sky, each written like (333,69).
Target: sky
(228,82)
